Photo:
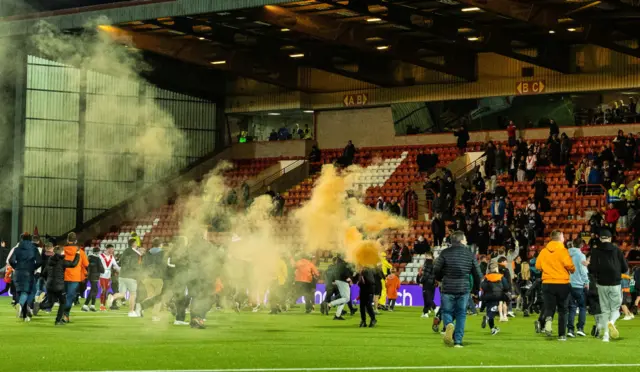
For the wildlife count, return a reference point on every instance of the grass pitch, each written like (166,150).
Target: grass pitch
(254,341)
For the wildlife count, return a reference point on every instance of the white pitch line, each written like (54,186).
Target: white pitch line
(396,368)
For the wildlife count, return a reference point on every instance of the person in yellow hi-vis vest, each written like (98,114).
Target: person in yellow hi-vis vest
(386,270)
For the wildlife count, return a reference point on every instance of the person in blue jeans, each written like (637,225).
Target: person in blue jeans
(452,269)
(579,281)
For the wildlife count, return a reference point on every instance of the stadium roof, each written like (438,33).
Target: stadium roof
(388,43)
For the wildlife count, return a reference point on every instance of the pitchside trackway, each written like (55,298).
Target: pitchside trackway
(251,342)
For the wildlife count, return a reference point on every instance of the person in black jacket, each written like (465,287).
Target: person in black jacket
(342,281)
(427,282)
(540,191)
(366,282)
(93,276)
(438,230)
(454,268)
(607,266)
(494,291)
(54,272)
(24,260)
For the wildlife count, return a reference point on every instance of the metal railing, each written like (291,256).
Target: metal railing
(261,185)
(458,173)
(599,193)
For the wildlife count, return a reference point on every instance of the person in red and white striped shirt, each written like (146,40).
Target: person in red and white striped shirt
(109,263)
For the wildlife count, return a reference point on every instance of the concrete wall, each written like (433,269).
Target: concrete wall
(273,149)
(373,127)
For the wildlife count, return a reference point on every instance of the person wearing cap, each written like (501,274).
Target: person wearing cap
(556,265)
(607,266)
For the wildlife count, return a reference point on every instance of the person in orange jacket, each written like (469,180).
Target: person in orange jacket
(556,264)
(73,276)
(392,284)
(305,277)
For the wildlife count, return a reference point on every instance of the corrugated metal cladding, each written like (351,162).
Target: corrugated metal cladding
(51,146)
(129,125)
(138,12)
(601,69)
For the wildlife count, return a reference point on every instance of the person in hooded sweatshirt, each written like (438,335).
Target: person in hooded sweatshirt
(579,286)
(607,265)
(495,288)
(94,270)
(24,260)
(556,265)
(427,281)
(54,272)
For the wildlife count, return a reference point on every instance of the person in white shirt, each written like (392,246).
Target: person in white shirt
(108,263)
(531,162)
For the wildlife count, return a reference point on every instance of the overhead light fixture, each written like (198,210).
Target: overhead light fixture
(374,19)
(218,62)
(297,55)
(274,114)
(552,32)
(472,9)
(285,30)
(308,111)
(241,18)
(571,29)
(201,38)
(382,47)
(473,38)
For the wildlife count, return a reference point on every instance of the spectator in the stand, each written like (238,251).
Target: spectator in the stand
(531,164)
(570,173)
(511,134)
(540,191)
(623,209)
(405,254)
(629,151)
(421,245)
(427,161)
(498,208)
(478,182)
(619,145)
(482,239)
(613,193)
(544,155)
(438,229)
(522,149)
(283,133)
(316,155)
(501,160)
(348,154)
(553,128)
(512,165)
(554,149)
(463,137)
(595,177)
(531,205)
(565,149)
(521,174)
(380,204)
(273,136)
(395,252)
(490,161)
(611,217)
(467,199)
(394,208)
(606,155)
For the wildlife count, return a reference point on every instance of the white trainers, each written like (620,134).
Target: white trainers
(613,331)
(437,309)
(180,323)
(605,338)
(511,314)
(92,308)
(628,317)
(425,315)
(18,311)
(27,319)
(109,300)
(133,314)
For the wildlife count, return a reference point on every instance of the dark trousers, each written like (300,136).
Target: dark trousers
(556,297)
(366,304)
(60,298)
(82,287)
(306,290)
(427,298)
(93,293)
(577,300)
(437,240)
(392,304)
(182,302)
(492,310)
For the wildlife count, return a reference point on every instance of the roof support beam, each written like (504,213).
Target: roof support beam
(547,18)
(550,53)
(354,35)
(200,53)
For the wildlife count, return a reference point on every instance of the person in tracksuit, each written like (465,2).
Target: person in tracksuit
(366,282)
(94,270)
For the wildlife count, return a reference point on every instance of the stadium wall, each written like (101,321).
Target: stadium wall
(374,128)
(81,155)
